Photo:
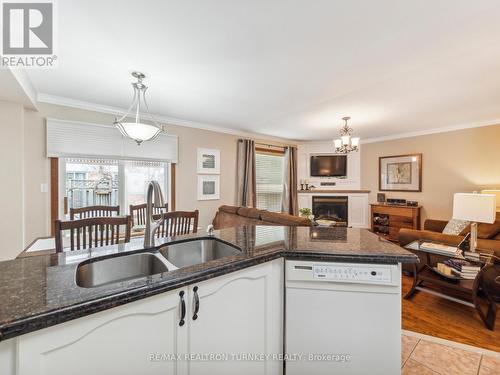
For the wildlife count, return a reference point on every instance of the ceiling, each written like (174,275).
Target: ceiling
(291,68)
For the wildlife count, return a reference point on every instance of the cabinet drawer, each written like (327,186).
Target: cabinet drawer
(398,211)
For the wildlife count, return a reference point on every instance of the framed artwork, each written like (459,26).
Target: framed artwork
(208,161)
(400,173)
(208,187)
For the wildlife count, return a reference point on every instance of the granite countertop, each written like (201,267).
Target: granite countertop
(40,291)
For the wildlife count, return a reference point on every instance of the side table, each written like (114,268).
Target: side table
(466,292)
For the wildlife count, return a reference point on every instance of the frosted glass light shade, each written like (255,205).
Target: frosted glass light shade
(345,139)
(496,193)
(138,131)
(355,142)
(338,143)
(479,208)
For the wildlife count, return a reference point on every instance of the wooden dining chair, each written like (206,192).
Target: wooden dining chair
(92,232)
(93,211)
(177,222)
(138,213)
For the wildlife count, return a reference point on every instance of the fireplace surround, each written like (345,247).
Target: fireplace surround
(334,208)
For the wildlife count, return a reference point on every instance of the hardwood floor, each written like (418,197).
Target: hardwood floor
(435,316)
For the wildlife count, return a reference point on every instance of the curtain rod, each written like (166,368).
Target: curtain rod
(269,145)
(275,146)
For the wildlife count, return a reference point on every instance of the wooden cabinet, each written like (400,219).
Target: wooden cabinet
(238,313)
(387,220)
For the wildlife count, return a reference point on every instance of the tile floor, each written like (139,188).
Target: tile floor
(425,355)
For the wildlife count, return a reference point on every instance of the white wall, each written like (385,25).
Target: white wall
(305,150)
(11,179)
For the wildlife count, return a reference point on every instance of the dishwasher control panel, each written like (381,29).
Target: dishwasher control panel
(354,273)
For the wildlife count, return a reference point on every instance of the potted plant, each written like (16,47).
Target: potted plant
(307,213)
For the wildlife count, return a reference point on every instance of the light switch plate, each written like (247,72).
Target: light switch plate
(44,187)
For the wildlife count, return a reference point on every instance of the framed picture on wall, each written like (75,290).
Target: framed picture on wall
(208,161)
(208,187)
(400,173)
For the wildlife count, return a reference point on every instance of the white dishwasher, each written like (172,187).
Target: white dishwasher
(342,318)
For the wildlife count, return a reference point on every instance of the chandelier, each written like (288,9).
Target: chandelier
(346,143)
(138,130)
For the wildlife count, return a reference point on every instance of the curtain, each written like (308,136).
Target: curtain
(246,184)
(290,199)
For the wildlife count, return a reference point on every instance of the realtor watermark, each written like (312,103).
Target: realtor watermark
(28,34)
(250,357)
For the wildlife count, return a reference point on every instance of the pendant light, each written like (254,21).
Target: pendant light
(138,130)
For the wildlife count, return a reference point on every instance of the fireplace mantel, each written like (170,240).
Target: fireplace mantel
(332,191)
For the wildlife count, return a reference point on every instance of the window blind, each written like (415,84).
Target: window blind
(269,174)
(79,139)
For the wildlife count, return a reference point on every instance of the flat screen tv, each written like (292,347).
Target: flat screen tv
(329,166)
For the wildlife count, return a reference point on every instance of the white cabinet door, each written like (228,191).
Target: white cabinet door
(239,314)
(358,211)
(8,357)
(121,341)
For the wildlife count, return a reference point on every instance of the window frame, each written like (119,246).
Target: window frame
(58,203)
(272,151)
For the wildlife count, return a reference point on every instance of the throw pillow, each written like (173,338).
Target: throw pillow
(455,226)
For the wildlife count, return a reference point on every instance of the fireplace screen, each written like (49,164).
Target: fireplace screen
(330,208)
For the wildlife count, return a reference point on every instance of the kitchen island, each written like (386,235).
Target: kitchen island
(42,307)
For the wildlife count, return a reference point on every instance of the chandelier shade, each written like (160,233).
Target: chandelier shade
(346,143)
(138,130)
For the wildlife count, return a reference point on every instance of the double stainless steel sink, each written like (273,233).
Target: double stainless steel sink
(91,274)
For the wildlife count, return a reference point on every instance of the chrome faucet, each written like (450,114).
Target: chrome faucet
(210,230)
(154,197)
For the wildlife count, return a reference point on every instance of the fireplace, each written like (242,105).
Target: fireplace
(330,208)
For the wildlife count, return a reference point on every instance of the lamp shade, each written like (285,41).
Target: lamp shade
(496,193)
(479,208)
(139,132)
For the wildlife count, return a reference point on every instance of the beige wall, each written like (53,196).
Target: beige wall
(37,170)
(463,160)
(11,181)
(458,161)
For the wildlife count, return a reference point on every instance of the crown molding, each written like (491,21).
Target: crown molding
(419,133)
(101,108)
(26,86)
(88,106)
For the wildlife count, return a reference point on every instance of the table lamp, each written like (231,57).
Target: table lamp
(476,208)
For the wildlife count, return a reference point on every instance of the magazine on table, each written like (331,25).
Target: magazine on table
(439,248)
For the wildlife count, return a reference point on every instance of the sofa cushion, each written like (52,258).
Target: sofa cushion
(455,226)
(249,212)
(488,231)
(229,209)
(284,219)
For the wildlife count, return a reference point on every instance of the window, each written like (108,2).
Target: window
(137,176)
(269,175)
(89,182)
